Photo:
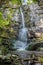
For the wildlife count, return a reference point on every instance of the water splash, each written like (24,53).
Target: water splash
(19,45)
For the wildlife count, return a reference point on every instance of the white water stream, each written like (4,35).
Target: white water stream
(22,38)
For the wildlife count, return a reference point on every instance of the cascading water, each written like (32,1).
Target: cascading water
(23,21)
(22,42)
(22,38)
(23,30)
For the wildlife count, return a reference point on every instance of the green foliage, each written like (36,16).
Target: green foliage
(35,0)
(3,22)
(31,1)
(16,1)
(7,32)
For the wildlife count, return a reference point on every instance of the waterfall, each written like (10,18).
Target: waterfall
(23,30)
(21,43)
(23,21)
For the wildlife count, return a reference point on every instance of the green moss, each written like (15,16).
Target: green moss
(40,59)
(40,38)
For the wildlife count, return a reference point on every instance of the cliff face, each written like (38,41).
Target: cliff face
(11,18)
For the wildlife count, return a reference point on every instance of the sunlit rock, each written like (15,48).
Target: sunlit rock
(41,23)
(38,34)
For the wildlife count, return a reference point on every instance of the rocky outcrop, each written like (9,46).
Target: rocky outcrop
(40,2)
(35,45)
(36,19)
(10,60)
